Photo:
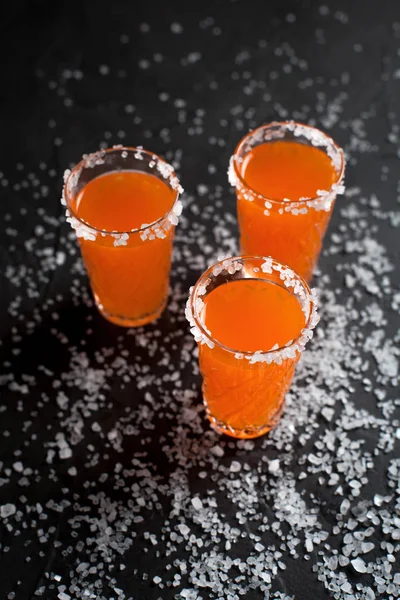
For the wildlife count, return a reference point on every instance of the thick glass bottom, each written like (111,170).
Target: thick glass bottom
(123,321)
(249,431)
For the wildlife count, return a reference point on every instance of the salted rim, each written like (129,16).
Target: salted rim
(317,138)
(164,169)
(305,296)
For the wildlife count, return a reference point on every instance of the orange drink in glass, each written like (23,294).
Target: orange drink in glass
(124,204)
(251,318)
(287,177)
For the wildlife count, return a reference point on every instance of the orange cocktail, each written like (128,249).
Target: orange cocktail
(123,204)
(287,177)
(251,318)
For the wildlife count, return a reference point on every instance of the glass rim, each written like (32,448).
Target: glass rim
(234,170)
(70,173)
(297,343)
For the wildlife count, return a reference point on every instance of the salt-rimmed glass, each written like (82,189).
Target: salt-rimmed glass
(128,270)
(291,231)
(244,392)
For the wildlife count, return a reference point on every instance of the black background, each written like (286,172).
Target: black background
(76,75)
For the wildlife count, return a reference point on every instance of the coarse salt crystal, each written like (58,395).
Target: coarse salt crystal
(217,451)
(235,466)
(197,503)
(259,547)
(273,465)
(7,510)
(184,529)
(309,545)
(359,565)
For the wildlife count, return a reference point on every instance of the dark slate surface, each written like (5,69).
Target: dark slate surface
(112,484)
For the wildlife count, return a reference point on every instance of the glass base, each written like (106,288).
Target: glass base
(248,432)
(127,321)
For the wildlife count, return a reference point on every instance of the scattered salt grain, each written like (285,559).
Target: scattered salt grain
(7,510)
(359,565)
(274,465)
(217,451)
(176,28)
(184,529)
(235,466)
(197,503)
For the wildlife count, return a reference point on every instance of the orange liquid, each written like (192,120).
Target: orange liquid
(290,170)
(129,282)
(244,399)
(252,314)
(123,200)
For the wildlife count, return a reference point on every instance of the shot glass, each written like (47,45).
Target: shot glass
(128,268)
(289,229)
(244,391)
